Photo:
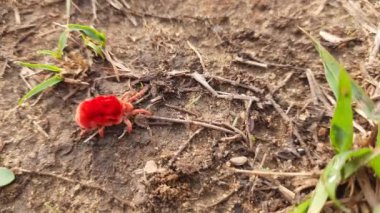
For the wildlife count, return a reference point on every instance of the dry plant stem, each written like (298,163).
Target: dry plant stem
(290,122)
(198,54)
(247,129)
(90,137)
(366,186)
(231,138)
(321,7)
(280,174)
(39,128)
(3,68)
(283,82)
(201,79)
(254,178)
(249,62)
(375,48)
(350,200)
(184,146)
(176,120)
(225,197)
(25,81)
(94,15)
(234,83)
(83,184)
(245,138)
(181,109)
(316,90)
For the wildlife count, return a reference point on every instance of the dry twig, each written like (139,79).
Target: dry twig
(183,147)
(177,120)
(198,54)
(272,173)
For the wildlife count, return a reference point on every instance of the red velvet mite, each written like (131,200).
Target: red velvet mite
(108,110)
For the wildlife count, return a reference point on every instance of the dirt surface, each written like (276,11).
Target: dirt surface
(57,172)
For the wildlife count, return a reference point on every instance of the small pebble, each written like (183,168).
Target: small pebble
(239,161)
(150,167)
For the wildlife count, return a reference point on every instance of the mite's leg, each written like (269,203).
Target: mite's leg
(136,96)
(101,132)
(127,95)
(129,125)
(83,132)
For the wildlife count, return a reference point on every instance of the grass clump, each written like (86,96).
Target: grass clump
(347,161)
(90,37)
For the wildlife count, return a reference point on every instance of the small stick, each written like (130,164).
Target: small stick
(17,15)
(249,62)
(225,197)
(375,48)
(283,82)
(3,68)
(254,178)
(90,137)
(184,146)
(238,131)
(234,83)
(290,122)
(39,128)
(231,138)
(198,54)
(272,173)
(94,15)
(181,109)
(25,81)
(247,127)
(83,184)
(176,120)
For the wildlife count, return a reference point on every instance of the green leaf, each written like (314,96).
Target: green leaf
(90,32)
(340,167)
(6,176)
(95,48)
(41,87)
(341,131)
(62,42)
(48,67)
(302,207)
(47,52)
(319,198)
(332,68)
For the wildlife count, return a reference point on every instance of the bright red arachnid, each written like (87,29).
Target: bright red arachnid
(108,110)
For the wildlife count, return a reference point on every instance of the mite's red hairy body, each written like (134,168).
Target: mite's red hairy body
(108,110)
(100,111)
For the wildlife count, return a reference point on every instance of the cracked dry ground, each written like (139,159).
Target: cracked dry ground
(155,39)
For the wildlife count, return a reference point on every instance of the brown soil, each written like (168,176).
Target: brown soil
(60,173)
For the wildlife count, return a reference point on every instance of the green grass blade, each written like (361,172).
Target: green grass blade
(340,167)
(90,32)
(62,42)
(332,68)
(95,48)
(48,67)
(41,87)
(47,52)
(341,131)
(319,198)
(6,176)
(302,207)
